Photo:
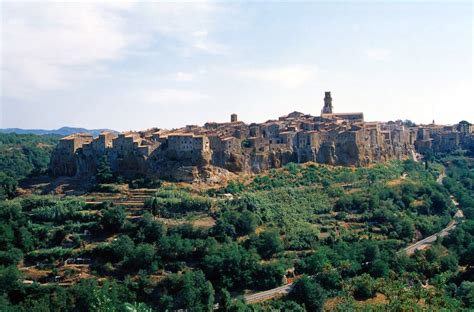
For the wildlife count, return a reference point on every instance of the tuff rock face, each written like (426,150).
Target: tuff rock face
(213,151)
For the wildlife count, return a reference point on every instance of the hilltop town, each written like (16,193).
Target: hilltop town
(204,152)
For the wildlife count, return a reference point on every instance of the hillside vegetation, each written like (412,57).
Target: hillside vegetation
(22,155)
(338,232)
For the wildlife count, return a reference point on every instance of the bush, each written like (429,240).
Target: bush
(62,210)
(143,257)
(364,287)
(379,268)
(269,276)
(8,186)
(37,201)
(113,219)
(269,243)
(301,236)
(104,172)
(168,203)
(308,292)
(56,253)
(231,266)
(191,292)
(23,155)
(145,183)
(11,257)
(107,188)
(466,293)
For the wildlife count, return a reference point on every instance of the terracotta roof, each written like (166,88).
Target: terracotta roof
(77,135)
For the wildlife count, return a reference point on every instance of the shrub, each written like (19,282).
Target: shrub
(107,188)
(269,243)
(113,219)
(104,172)
(308,292)
(364,286)
(171,202)
(56,253)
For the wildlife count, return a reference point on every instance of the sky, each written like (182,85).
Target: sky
(131,65)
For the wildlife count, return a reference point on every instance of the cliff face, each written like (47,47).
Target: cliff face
(217,150)
(178,166)
(346,149)
(63,164)
(189,159)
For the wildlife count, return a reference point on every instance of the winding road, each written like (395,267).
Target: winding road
(422,244)
(425,242)
(268,294)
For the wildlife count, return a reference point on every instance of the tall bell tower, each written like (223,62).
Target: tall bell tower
(327,109)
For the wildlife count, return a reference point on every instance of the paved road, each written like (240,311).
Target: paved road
(284,290)
(422,244)
(268,294)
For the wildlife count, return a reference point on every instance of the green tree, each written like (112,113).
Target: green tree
(226,301)
(120,248)
(315,263)
(137,307)
(449,263)
(269,276)
(246,223)
(83,294)
(230,266)
(330,280)
(155,207)
(364,286)
(9,279)
(379,268)
(113,219)
(308,292)
(286,305)
(440,203)
(466,293)
(196,293)
(101,302)
(8,186)
(269,243)
(104,172)
(149,230)
(142,258)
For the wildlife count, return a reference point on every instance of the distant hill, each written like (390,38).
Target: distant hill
(61,131)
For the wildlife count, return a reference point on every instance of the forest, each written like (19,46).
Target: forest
(338,234)
(21,156)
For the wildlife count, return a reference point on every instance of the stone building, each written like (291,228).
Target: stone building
(331,138)
(327,108)
(63,158)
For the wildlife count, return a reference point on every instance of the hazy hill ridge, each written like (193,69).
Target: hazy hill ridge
(61,131)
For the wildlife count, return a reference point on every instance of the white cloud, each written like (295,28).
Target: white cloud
(288,76)
(379,54)
(189,23)
(61,45)
(48,47)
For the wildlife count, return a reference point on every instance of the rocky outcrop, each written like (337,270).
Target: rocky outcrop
(206,174)
(216,150)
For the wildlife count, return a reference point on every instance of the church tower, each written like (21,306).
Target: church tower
(327,109)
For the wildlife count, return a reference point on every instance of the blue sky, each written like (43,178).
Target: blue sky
(135,65)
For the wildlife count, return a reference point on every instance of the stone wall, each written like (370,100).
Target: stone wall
(193,151)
